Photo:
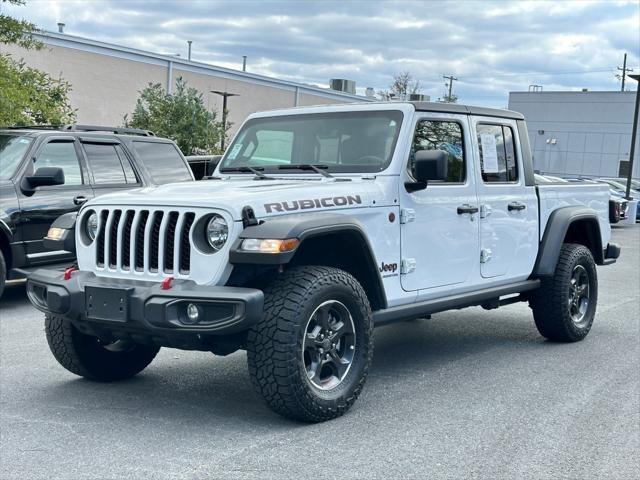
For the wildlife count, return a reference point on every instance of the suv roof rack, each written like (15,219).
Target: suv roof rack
(116,130)
(31,127)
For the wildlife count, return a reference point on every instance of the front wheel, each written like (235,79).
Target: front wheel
(565,305)
(310,353)
(88,357)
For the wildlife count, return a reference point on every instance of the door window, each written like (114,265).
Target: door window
(61,155)
(109,164)
(445,136)
(497,153)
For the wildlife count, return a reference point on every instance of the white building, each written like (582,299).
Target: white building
(579,133)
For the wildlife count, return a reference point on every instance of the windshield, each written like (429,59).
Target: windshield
(344,142)
(12,150)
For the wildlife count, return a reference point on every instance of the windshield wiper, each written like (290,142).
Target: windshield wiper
(256,171)
(307,166)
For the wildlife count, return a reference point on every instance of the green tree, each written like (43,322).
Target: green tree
(29,96)
(180,116)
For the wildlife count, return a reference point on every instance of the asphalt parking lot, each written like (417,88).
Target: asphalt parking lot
(467,394)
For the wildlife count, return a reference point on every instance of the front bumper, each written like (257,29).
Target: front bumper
(142,310)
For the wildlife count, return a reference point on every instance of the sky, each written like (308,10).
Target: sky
(491,47)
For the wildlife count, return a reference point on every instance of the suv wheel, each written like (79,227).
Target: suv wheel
(310,353)
(565,305)
(87,357)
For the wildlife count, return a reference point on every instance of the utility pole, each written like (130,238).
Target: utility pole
(623,71)
(451,79)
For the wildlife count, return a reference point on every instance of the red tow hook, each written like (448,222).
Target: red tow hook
(68,272)
(166,283)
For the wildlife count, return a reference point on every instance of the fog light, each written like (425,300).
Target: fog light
(193,313)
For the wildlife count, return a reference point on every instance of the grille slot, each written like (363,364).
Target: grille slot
(126,240)
(185,246)
(102,228)
(139,248)
(148,241)
(170,242)
(113,239)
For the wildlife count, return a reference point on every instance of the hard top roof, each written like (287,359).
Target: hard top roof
(465,109)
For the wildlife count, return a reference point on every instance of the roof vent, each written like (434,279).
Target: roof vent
(342,85)
(369,92)
(61,27)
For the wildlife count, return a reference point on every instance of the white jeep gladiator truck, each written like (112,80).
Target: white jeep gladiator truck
(319,224)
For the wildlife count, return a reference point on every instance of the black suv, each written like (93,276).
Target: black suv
(46,172)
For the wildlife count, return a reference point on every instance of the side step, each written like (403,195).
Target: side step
(461,300)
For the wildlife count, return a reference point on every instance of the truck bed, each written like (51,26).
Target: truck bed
(557,195)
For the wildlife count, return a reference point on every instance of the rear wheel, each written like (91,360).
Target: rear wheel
(88,357)
(565,305)
(310,353)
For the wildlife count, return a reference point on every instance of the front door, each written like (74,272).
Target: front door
(508,207)
(39,208)
(439,231)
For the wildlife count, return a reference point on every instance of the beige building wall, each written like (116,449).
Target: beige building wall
(106,80)
(104,88)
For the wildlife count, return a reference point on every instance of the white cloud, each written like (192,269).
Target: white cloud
(491,46)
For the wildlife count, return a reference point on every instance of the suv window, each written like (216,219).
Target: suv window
(12,149)
(163,162)
(109,164)
(497,153)
(61,154)
(441,135)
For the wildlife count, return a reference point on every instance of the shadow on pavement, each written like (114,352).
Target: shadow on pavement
(212,391)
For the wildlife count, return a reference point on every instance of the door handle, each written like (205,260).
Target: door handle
(516,206)
(466,208)
(80,199)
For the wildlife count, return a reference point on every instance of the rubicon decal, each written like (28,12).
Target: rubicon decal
(327,202)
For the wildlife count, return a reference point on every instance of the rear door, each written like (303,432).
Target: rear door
(508,207)
(437,239)
(39,208)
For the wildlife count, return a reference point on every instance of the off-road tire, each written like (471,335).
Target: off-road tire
(275,343)
(550,303)
(85,356)
(3,273)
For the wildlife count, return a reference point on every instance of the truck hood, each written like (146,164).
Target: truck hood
(266,197)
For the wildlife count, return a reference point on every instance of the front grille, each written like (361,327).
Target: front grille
(149,241)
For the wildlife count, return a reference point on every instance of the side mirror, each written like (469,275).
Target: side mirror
(44,176)
(428,165)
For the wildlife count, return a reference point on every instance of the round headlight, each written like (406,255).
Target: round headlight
(91,226)
(217,232)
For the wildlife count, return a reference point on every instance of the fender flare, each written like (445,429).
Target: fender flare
(304,227)
(555,232)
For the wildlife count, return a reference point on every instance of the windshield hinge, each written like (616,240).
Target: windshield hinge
(248,217)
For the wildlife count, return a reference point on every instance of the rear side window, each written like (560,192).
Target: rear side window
(445,136)
(163,162)
(109,164)
(497,153)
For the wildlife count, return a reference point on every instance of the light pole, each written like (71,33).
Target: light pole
(634,133)
(224,96)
